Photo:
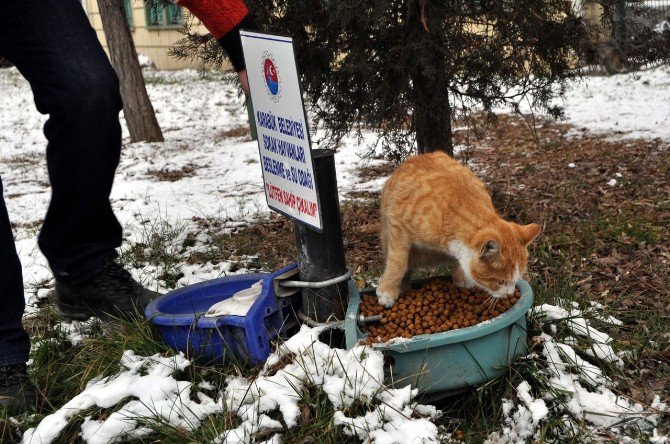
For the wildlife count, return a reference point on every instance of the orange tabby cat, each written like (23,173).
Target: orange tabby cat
(434,209)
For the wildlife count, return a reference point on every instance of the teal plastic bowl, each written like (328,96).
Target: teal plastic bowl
(442,364)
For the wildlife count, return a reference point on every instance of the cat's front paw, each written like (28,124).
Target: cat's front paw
(461,281)
(385,298)
(465,283)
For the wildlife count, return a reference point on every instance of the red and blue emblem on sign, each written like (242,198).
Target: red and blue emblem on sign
(271,78)
(271,75)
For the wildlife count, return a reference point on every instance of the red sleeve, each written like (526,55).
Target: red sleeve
(218,16)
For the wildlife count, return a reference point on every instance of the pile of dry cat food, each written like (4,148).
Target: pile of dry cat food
(435,307)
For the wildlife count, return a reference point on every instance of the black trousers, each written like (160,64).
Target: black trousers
(53,45)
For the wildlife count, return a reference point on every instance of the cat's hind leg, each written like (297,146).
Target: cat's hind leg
(397,267)
(418,258)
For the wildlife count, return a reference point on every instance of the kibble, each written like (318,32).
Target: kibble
(436,307)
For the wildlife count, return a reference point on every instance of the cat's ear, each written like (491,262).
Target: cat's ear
(489,249)
(529,232)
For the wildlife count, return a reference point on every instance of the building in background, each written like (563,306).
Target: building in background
(154,29)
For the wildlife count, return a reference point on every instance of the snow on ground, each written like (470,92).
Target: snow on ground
(221,177)
(147,391)
(347,376)
(634,105)
(222,174)
(581,395)
(580,326)
(155,392)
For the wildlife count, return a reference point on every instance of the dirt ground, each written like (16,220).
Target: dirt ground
(613,242)
(601,241)
(610,240)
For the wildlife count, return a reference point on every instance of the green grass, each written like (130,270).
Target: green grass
(316,422)
(619,229)
(478,412)
(161,245)
(61,370)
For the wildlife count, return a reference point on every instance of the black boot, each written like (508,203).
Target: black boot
(17,393)
(110,293)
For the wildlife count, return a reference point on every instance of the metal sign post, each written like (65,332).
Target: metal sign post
(298,183)
(321,255)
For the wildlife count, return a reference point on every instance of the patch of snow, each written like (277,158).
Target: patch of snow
(537,407)
(626,354)
(345,376)
(574,320)
(633,105)
(596,307)
(568,340)
(77,331)
(608,319)
(601,407)
(612,182)
(156,394)
(519,423)
(658,439)
(658,405)
(589,373)
(590,405)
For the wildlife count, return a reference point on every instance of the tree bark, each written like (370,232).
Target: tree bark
(137,108)
(432,111)
(432,117)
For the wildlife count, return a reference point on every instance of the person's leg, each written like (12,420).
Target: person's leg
(16,392)
(14,342)
(53,45)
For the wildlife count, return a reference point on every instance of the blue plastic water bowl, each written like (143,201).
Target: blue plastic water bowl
(180,317)
(443,364)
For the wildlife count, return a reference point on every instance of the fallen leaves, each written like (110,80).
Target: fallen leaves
(613,242)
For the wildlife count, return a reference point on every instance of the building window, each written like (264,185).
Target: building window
(128,10)
(161,15)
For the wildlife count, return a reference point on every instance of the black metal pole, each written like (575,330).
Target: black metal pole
(321,255)
(252,121)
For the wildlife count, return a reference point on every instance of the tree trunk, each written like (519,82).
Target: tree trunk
(137,108)
(432,112)
(432,116)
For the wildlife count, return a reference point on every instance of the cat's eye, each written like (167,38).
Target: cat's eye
(502,283)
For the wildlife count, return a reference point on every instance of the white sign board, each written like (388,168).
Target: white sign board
(281,124)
